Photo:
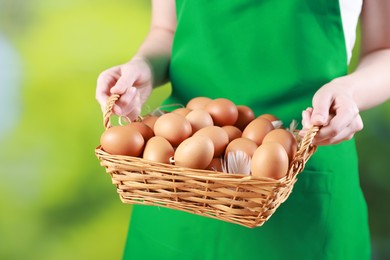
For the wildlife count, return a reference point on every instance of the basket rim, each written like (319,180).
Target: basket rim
(140,164)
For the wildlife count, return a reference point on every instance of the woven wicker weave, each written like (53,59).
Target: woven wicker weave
(244,200)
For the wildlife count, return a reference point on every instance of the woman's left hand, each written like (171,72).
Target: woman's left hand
(335,110)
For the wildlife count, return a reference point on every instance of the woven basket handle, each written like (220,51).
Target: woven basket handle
(108,110)
(306,150)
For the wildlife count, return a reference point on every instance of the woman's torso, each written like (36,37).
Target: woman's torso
(271,55)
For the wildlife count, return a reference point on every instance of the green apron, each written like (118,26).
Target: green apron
(271,55)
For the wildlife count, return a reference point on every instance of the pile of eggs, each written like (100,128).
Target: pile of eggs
(206,134)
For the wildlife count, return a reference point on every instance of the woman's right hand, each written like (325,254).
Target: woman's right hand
(133,81)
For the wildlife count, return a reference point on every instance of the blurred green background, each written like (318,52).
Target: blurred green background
(56,201)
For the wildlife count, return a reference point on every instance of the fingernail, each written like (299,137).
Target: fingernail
(113,90)
(318,119)
(117,90)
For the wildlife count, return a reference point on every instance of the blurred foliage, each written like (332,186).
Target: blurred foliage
(56,200)
(15,16)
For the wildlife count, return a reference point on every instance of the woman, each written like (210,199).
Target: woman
(277,57)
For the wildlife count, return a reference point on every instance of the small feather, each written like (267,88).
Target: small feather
(293,126)
(237,162)
(277,123)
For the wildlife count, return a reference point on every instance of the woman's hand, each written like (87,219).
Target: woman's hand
(149,68)
(337,104)
(336,111)
(132,81)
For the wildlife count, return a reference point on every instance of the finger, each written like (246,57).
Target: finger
(105,81)
(306,115)
(122,106)
(344,117)
(108,77)
(334,128)
(343,136)
(135,107)
(102,100)
(346,133)
(349,131)
(304,119)
(127,79)
(303,132)
(322,103)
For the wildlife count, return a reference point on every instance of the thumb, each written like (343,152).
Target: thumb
(321,106)
(124,82)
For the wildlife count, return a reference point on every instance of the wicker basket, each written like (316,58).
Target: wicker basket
(235,198)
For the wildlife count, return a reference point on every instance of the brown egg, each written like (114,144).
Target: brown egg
(198,119)
(245,116)
(223,111)
(195,152)
(232,131)
(198,103)
(257,129)
(173,127)
(285,138)
(150,121)
(122,140)
(270,117)
(182,111)
(215,164)
(143,129)
(158,149)
(217,135)
(242,144)
(270,160)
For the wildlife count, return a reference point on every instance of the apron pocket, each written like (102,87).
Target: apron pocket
(303,218)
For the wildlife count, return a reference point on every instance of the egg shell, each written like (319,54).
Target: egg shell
(182,111)
(218,136)
(270,160)
(215,164)
(158,149)
(285,138)
(150,121)
(195,152)
(242,144)
(122,140)
(223,111)
(269,117)
(257,129)
(173,127)
(245,116)
(232,131)
(198,103)
(199,119)
(143,128)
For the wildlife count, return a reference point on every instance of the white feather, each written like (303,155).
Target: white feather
(277,123)
(237,162)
